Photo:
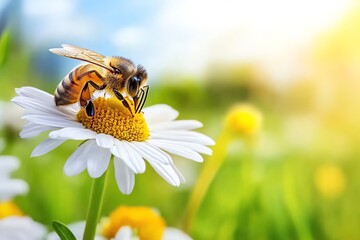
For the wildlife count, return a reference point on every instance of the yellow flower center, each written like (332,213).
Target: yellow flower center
(144,221)
(8,209)
(113,118)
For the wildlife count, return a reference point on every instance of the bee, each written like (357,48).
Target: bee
(118,75)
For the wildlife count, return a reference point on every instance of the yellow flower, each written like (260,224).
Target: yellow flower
(145,221)
(243,119)
(330,180)
(9,209)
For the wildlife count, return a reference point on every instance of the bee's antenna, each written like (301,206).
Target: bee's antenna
(143,97)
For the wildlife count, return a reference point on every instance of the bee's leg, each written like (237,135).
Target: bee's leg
(85,101)
(97,87)
(85,95)
(90,110)
(122,99)
(86,92)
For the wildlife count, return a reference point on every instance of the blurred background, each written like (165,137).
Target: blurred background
(296,62)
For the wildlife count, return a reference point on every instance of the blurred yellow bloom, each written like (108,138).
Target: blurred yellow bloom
(330,181)
(148,224)
(243,119)
(9,209)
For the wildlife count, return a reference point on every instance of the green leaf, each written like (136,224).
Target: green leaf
(63,232)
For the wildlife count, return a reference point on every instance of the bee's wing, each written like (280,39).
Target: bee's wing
(87,55)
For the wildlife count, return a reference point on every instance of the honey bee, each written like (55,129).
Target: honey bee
(117,75)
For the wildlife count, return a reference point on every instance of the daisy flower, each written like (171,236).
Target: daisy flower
(10,187)
(130,223)
(21,228)
(13,223)
(150,135)
(127,223)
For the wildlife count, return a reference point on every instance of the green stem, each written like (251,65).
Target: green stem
(211,167)
(96,200)
(293,205)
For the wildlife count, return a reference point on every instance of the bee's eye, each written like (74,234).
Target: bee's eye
(133,85)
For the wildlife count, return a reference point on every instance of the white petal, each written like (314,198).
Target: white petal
(193,146)
(184,136)
(177,150)
(21,228)
(129,156)
(12,187)
(177,125)
(135,157)
(98,161)
(34,93)
(76,163)
(8,164)
(151,153)
(178,173)
(167,172)
(73,133)
(52,121)
(32,130)
(105,140)
(124,233)
(125,178)
(71,109)
(46,146)
(36,106)
(159,113)
(175,234)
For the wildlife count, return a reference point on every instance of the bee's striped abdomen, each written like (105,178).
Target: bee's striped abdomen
(74,87)
(69,88)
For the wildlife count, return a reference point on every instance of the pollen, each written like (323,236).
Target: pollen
(8,209)
(113,118)
(144,221)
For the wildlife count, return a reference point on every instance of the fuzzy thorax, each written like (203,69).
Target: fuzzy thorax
(113,118)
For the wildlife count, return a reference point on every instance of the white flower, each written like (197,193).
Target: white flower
(137,222)
(150,135)
(12,224)
(10,187)
(21,228)
(129,223)
(170,233)
(175,234)
(124,233)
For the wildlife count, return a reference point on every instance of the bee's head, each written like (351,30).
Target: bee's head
(136,81)
(131,77)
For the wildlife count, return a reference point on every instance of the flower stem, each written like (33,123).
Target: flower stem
(293,205)
(206,177)
(96,200)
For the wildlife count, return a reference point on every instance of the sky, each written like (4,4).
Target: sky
(185,36)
